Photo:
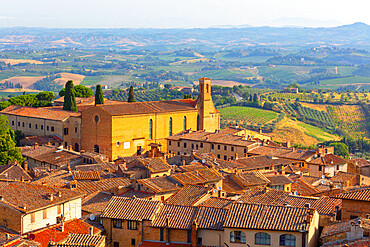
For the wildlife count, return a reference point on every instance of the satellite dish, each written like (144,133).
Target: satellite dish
(92,217)
(219,187)
(203,161)
(31,236)
(323,176)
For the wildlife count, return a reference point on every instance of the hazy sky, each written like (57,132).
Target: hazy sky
(180,13)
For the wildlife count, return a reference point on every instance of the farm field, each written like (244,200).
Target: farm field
(18,61)
(299,132)
(351,119)
(335,83)
(247,115)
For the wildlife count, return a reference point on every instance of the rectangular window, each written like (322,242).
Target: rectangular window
(218,147)
(115,244)
(192,146)
(65,144)
(225,148)
(30,126)
(169,143)
(42,127)
(12,122)
(225,157)
(201,145)
(232,149)
(133,241)
(337,167)
(47,128)
(132,225)
(161,234)
(117,223)
(188,236)
(19,124)
(59,209)
(35,126)
(245,150)
(75,129)
(196,147)
(23,124)
(218,156)
(52,128)
(44,214)
(213,146)
(178,144)
(320,168)
(184,144)
(33,218)
(65,131)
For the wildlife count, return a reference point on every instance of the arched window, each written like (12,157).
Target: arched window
(184,123)
(237,237)
(198,122)
(96,149)
(77,147)
(150,129)
(170,127)
(287,240)
(262,238)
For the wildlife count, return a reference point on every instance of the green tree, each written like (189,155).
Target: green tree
(131,95)
(340,149)
(99,96)
(80,91)
(8,151)
(69,103)
(4,104)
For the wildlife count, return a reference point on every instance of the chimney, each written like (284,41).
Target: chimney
(59,194)
(22,179)
(236,156)
(183,162)
(51,196)
(36,145)
(25,166)
(260,130)
(91,231)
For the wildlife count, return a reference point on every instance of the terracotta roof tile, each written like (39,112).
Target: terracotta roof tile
(27,197)
(343,177)
(96,202)
(230,186)
(54,234)
(358,195)
(303,188)
(125,108)
(160,184)
(188,196)
(211,218)
(88,175)
(328,159)
(361,162)
(84,239)
(217,202)
(40,112)
(153,164)
(198,177)
(250,178)
(267,217)
(176,216)
(130,209)
(41,140)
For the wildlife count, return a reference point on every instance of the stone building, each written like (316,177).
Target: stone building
(355,203)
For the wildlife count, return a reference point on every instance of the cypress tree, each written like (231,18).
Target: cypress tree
(99,96)
(131,95)
(69,103)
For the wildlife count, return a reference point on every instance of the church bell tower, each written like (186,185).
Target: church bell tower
(208,117)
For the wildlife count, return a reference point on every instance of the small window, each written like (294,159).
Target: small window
(115,244)
(19,124)
(218,147)
(245,150)
(35,126)
(287,240)
(169,143)
(30,126)
(232,149)
(42,127)
(133,241)
(117,223)
(178,144)
(52,128)
(200,241)
(76,129)
(262,238)
(132,225)
(237,237)
(23,124)
(161,234)
(337,167)
(201,145)
(65,131)
(218,156)
(47,128)
(213,146)
(196,147)
(12,122)
(225,157)
(320,168)
(118,144)
(225,148)
(192,146)
(33,218)
(184,144)
(65,144)
(44,214)
(96,119)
